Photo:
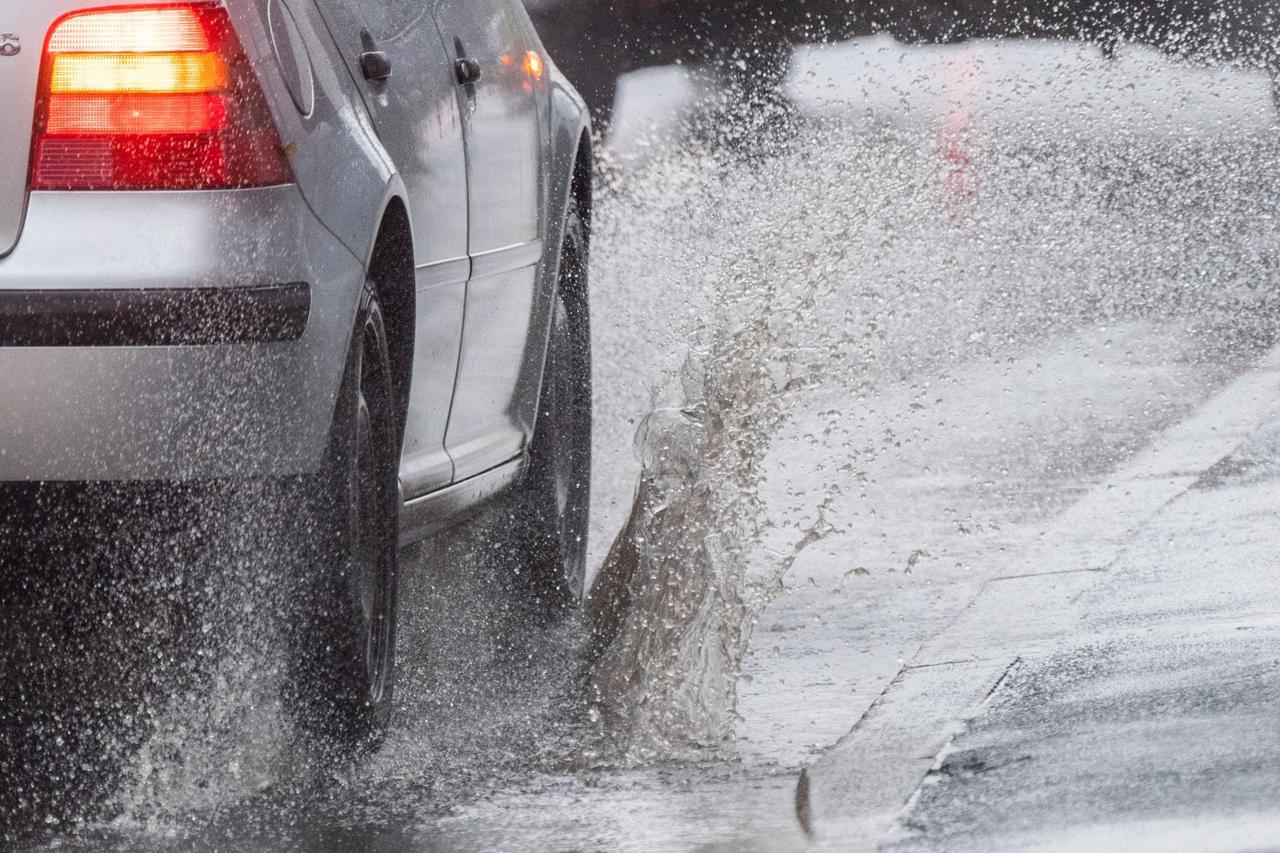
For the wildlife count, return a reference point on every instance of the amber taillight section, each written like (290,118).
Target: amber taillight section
(152,97)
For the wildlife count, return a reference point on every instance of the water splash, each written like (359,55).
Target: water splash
(671,611)
(834,265)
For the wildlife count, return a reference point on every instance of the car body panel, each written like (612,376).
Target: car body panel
(417,119)
(174,412)
(505,166)
(23,26)
(344,173)
(485,260)
(101,240)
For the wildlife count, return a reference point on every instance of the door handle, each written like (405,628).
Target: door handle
(467,71)
(375,65)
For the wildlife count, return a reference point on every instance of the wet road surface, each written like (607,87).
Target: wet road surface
(1151,725)
(976,282)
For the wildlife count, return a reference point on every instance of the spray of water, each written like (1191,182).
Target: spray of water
(852,255)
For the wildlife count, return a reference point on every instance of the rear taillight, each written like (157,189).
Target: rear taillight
(152,97)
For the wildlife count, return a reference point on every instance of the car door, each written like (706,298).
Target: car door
(504,179)
(417,116)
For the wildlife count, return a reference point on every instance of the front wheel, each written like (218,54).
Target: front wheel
(552,503)
(343,640)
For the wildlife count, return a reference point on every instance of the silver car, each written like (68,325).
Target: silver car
(335,242)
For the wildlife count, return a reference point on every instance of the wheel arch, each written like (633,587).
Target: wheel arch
(572,167)
(570,175)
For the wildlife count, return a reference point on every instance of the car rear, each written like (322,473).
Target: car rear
(170,307)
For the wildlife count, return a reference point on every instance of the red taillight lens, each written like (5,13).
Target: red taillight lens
(158,97)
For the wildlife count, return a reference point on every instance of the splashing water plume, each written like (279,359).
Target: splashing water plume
(769,284)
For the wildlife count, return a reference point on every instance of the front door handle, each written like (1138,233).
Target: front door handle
(467,71)
(375,65)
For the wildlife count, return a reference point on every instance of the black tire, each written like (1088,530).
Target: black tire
(552,503)
(342,673)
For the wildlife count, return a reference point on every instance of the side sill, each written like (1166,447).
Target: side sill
(439,510)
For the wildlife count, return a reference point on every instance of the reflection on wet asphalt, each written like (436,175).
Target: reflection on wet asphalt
(1025,260)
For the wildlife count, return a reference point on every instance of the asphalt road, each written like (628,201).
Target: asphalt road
(1115,688)
(949,316)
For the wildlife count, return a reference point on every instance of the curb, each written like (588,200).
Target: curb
(854,794)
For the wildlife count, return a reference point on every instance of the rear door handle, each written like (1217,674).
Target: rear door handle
(375,65)
(467,71)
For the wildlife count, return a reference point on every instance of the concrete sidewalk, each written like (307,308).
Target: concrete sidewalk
(1118,689)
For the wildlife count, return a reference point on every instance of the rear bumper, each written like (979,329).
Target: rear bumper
(192,316)
(171,336)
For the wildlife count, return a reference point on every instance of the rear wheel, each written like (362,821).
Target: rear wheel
(553,501)
(343,644)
